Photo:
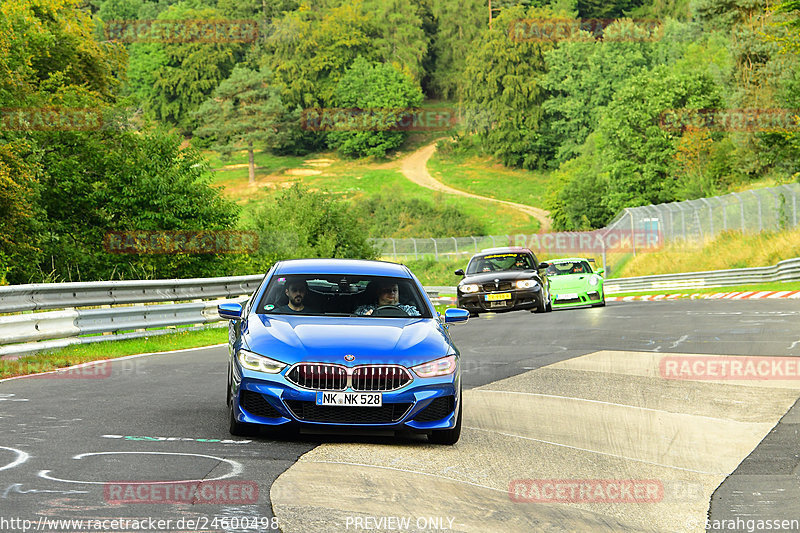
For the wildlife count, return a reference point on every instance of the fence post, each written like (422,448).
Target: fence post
(475,242)
(794,204)
(415,247)
(455,242)
(710,218)
(760,220)
(724,204)
(741,208)
(394,248)
(435,248)
(633,237)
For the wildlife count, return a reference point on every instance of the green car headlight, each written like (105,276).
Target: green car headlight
(259,363)
(526,284)
(594,280)
(468,288)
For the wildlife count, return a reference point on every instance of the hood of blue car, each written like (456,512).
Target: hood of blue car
(292,339)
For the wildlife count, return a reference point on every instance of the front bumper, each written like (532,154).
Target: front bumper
(582,297)
(424,404)
(520,299)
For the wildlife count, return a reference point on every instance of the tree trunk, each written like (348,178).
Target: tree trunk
(252,167)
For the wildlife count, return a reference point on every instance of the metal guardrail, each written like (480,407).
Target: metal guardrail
(27,332)
(788,270)
(78,320)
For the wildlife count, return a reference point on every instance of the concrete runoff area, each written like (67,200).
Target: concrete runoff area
(607,419)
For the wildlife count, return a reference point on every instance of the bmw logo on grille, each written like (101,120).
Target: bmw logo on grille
(349,357)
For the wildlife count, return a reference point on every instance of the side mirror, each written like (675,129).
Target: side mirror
(600,271)
(460,272)
(543,265)
(230,311)
(455,314)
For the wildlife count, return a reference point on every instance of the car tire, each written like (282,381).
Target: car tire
(239,429)
(473,315)
(541,307)
(549,306)
(448,436)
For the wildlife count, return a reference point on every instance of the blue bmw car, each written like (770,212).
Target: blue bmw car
(333,343)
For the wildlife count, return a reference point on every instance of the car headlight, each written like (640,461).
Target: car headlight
(259,363)
(469,287)
(594,280)
(439,367)
(526,284)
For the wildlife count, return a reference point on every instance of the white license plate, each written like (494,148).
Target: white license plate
(568,296)
(350,399)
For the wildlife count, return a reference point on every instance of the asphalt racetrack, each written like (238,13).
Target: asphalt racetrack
(569,425)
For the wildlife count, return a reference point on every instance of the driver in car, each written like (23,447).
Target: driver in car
(387,294)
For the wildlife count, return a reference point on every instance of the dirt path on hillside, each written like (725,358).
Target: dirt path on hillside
(414,167)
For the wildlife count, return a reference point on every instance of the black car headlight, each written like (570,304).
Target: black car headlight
(526,284)
(469,288)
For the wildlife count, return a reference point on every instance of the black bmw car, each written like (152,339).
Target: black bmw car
(504,279)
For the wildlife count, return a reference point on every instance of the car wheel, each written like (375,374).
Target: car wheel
(239,429)
(541,307)
(448,436)
(473,315)
(549,306)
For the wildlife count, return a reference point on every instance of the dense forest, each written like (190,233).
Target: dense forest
(590,109)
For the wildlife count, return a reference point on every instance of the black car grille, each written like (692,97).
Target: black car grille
(254,403)
(437,409)
(318,376)
(499,286)
(379,378)
(310,412)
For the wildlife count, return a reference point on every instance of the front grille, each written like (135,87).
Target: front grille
(500,286)
(379,378)
(318,376)
(437,409)
(254,403)
(310,412)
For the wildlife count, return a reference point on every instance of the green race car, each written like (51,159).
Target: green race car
(574,283)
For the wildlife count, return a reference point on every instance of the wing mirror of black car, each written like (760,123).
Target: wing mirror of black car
(230,311)
(460,272)
(543,265)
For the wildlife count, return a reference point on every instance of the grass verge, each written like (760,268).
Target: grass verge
(74,355)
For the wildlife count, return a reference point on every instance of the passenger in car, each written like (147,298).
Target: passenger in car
(385,293)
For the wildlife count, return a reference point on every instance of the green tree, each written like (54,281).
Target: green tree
(171,80)
(504,92)
(636,152)
(458,25)
(300,223)
(386,95)
(401,39)
(311,48)
(245,111)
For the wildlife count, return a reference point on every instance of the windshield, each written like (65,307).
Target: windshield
(576,267)
(343,295)
(501,261)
